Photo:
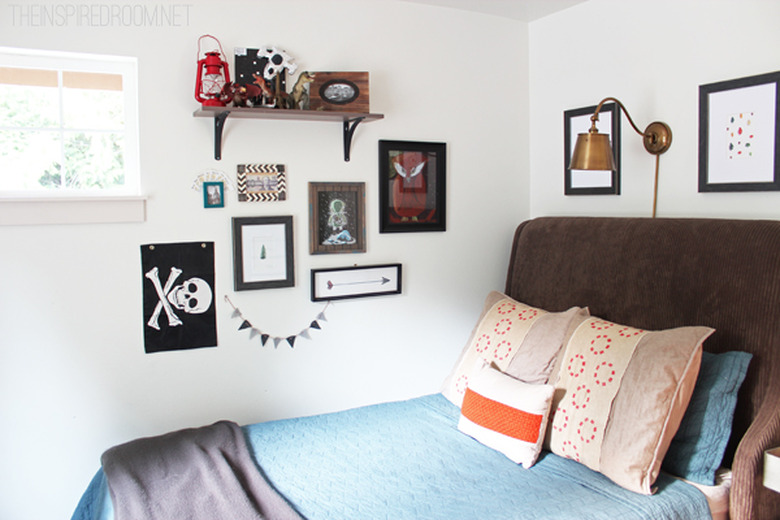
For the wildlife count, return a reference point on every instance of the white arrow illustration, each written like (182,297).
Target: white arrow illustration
(383,281)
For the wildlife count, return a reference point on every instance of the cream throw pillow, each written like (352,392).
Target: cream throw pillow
(516,338)
(620,395)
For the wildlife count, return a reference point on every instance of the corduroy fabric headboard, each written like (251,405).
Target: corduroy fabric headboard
(662,273)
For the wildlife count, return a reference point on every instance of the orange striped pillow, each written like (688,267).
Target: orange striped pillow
(506,414)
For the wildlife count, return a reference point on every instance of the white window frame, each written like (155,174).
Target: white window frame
(63,206)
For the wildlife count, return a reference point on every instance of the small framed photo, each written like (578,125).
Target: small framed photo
(339,91)
(412,186)
(213,194)
(355,282)
(263,253)
(739,136)
(261,182)
(577,121)
(337,217)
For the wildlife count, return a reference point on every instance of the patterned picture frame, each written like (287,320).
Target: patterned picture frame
(261,182)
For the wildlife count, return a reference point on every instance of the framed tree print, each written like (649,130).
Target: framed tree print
(739,136)
(263,253)
(577,121)
(412,186)
(337,217)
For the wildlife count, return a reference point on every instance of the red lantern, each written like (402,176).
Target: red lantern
(213,74)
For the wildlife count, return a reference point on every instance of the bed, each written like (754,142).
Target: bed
(545,414)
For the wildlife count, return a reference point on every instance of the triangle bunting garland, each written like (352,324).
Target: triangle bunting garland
(264,336)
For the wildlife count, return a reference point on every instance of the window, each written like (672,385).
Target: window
(68,126)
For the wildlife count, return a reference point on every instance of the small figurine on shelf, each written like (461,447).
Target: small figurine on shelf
(266,94)
(300,92)
(278,62)
(241,95)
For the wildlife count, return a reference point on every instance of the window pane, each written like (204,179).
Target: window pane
(28,106)
(93,109)
(94,160)
(29,160)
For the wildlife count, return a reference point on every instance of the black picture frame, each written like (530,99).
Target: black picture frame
(739,134)
(263,255)
(577,121)
(416,200)
(339,229)
(341,283)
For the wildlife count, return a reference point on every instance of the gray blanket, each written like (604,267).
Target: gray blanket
(203,473)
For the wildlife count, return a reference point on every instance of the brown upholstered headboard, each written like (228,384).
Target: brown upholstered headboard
(661,273)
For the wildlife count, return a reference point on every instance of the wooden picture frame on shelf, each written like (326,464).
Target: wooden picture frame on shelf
(339,91)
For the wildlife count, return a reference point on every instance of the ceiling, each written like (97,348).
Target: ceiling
(525,10)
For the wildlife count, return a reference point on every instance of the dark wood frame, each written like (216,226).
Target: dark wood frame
(705,109)
(355,192)
(435,187)
(568,148)
(239,255)
(394,287)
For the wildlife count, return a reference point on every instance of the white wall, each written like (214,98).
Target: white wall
(652,56)
(74,379)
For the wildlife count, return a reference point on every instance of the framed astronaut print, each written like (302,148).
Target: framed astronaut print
(412,186)
(337,217)
(178,296)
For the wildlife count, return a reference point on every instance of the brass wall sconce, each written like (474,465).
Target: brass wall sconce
(593,151)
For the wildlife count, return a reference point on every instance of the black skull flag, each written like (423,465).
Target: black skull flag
(178,296)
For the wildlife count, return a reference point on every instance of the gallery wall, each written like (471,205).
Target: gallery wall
(652,57)
(74,378)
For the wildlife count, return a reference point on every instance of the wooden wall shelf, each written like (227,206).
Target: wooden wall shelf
(349,120)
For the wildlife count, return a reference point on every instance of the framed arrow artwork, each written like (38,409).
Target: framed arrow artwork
(355,282)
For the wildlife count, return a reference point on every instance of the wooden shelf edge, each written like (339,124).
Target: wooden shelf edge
(285,114)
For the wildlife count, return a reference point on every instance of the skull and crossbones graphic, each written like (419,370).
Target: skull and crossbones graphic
(193,296)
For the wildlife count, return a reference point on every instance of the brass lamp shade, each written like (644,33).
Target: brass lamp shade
(592,152)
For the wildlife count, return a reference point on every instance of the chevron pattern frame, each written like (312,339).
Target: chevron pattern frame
(261,182)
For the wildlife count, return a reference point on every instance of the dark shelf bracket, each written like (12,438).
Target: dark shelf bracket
(349,130)
(219,125)
(220,116)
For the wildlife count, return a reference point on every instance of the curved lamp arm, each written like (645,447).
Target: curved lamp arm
(657,137)
(593,148)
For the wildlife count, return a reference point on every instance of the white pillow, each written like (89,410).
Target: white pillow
(506,414)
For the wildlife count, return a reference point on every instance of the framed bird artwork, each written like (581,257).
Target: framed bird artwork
(412,186)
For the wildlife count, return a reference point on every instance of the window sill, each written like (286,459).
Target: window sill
(98,210)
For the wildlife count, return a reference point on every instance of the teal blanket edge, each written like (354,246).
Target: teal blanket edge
(407,460)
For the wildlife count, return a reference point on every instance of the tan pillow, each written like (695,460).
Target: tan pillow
(620,395)
(505,330)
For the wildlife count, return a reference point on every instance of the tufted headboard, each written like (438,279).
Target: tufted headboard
(662,273)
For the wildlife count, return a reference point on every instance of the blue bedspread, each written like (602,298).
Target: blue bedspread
(407,460)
